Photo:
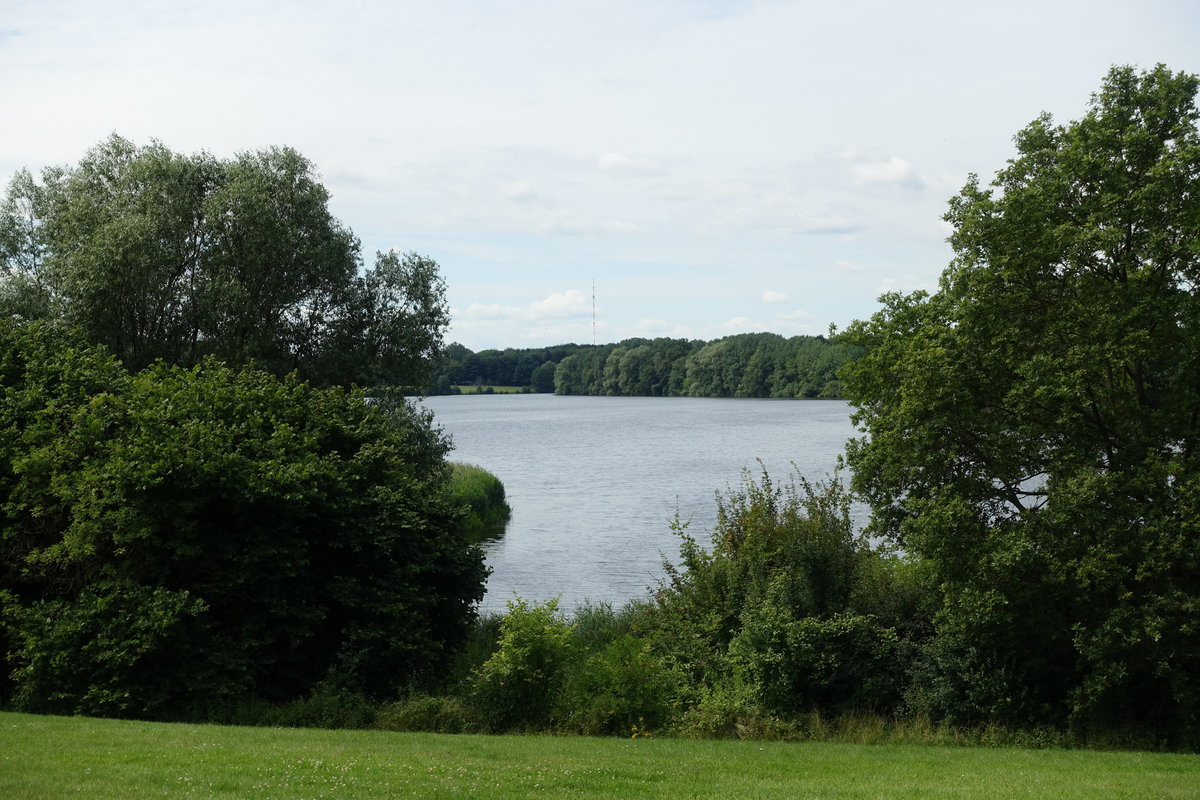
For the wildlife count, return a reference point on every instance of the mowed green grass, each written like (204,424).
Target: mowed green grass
(58,757)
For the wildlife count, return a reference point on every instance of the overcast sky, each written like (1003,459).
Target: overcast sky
(712,166)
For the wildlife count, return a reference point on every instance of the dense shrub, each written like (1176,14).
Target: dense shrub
(622,689)
(786,613)
(843,663)
(115,649)
(429,713)
(795,540)
(174,537)
(517,686)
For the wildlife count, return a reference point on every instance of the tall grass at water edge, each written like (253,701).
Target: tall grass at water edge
(483,495)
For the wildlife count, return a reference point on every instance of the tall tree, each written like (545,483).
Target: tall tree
(390,326)
(1031,428)
(159,255)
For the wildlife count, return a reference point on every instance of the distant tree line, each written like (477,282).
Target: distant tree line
(745,365)
(532,368)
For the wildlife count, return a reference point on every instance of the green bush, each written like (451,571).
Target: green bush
(516,688)
(482,641)
(244,534)
(429,714)
(597,624)
(114,650)
(787,612)
(623,689)
(839,664)
(326,707)
(730,711)
(796,540)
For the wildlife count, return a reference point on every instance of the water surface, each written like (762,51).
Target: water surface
(594,482)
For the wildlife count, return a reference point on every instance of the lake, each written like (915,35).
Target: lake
(595,482)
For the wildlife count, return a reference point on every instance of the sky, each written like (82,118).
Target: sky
(594,171)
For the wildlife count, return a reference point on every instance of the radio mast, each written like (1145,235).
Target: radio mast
(593,312)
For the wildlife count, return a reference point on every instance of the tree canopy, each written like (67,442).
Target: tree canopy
(1031,428)
(158,255)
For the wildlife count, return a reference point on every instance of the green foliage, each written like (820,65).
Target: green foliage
(1031,428)
(325,707)
(840,664)
(595,625)
(787,612)
(430,714)
(159,255)
(116,649)
(531,368)
(239,533)
(746,365)
(388,329)
(517,686)
(622,689)
(483,495)
(796,542)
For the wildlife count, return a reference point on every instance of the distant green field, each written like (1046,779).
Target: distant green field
(494,389)
(56,757)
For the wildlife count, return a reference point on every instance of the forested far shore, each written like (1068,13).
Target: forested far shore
(743,365)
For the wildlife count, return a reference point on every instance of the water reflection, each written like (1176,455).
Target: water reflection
(486,534)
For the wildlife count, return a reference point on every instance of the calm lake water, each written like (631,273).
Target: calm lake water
(594,482)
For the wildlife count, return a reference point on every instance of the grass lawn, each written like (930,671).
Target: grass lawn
(57,757)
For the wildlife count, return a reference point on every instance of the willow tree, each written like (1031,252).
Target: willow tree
(1031,428)
(159,255)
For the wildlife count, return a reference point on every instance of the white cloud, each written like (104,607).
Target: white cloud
(895,171)
(774,297)
(619,164)
(571,225)
(560,305)
(520,191)
(739,325)
(571,303)
(798,315)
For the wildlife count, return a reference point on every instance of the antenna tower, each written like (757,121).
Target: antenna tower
(593,312)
